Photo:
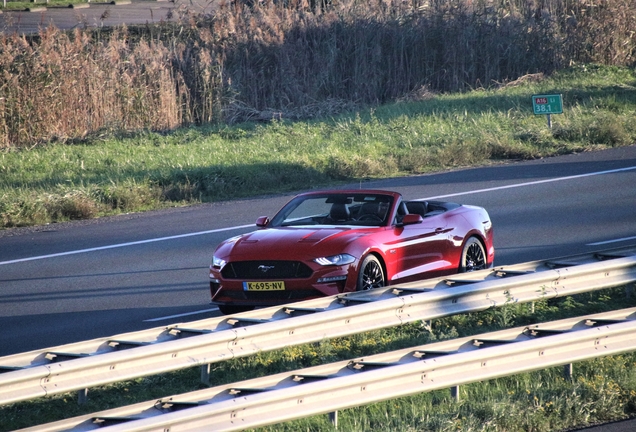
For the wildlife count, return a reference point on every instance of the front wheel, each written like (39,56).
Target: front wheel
(371,274)
(473,256)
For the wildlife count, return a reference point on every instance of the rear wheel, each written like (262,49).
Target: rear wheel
(473,256)
(234,309)
(371,274)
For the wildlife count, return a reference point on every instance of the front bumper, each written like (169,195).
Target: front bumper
(327,281)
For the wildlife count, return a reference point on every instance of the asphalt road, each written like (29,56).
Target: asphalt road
(69,282)
(100,14)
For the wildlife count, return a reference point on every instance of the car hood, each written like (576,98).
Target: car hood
(290,243)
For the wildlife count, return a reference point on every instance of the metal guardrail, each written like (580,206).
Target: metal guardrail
(128,356)
(345,384)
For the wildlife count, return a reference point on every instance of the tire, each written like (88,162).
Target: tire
(234,309)
(473,256)
(371,274)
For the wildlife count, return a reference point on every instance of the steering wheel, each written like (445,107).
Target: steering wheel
(370,217)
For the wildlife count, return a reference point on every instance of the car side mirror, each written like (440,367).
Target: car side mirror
(262,221)
(411,219)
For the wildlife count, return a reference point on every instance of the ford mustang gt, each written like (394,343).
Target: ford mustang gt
(331,242)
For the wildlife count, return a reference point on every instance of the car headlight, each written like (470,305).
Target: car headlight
(340,259)
(218,262)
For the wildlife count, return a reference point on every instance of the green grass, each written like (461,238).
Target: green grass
(600,390)
(109,174)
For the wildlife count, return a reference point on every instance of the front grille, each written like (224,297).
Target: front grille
(264,270)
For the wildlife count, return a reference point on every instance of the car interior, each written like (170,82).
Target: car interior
(363,210)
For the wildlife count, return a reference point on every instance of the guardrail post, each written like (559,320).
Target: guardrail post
(455,393)
(568,369)
(82,396)
(333,418)
(205,373)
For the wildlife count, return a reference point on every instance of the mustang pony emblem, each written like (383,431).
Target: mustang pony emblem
(265,268)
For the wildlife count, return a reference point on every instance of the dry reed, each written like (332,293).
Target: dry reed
(291,59)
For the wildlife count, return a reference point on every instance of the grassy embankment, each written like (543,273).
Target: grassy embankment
(67,98)
(600,390)
(150,170)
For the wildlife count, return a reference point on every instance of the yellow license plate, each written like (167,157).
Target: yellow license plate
(264,286)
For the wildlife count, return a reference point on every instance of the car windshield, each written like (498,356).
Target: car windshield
(335,209)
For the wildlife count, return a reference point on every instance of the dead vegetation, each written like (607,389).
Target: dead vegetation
(293,59)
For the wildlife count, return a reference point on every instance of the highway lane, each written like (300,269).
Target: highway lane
(68,282)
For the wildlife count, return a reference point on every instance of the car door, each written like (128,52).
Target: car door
(421,250)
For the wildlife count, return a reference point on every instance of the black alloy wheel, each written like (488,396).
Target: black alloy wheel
(473,256)
(371,274)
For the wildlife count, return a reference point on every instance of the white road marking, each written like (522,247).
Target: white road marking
(611,241)
(531,183)
(120,245)
(246,226)
(181,315)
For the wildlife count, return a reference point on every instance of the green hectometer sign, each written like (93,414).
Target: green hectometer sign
(547,104)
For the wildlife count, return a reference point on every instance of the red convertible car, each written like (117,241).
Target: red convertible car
(331,242)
